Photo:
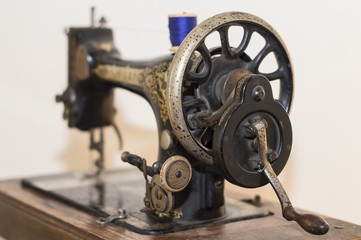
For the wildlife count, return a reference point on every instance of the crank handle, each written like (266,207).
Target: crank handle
(311,223)
(141,164)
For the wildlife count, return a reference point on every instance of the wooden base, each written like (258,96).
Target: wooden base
(28,214)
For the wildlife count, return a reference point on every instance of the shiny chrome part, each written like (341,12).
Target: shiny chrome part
(175,173)
(166,140)
(121,215)
(176,77)
(311,223)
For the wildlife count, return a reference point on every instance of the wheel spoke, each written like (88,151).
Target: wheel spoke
(273,75)
(206,55)
(255,63)
(247,34)
(201,77)
(197,78)
(226,50)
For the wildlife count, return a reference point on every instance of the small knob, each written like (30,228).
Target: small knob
(59,98)
(132,159)
(64,99)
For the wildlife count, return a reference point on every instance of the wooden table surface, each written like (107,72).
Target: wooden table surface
(28,214)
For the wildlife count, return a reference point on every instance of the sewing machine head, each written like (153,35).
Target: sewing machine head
(216,112)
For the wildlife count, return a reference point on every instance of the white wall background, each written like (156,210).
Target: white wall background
(324,41)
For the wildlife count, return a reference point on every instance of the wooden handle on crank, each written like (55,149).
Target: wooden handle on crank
(311,223)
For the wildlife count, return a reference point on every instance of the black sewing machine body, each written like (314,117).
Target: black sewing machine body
(217,119)
(95,69)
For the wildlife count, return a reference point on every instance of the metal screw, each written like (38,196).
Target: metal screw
(122,212)
(156,167)
(258,93)
(103,22)
(218,184)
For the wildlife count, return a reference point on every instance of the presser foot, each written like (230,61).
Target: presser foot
(311,223)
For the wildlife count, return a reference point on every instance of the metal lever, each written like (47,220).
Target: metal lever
(121,215)
(311,223)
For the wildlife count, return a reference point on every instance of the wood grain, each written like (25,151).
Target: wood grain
(27,214)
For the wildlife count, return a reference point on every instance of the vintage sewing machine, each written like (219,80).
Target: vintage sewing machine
(217,119)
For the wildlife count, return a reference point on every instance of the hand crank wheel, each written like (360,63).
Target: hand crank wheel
(198,72)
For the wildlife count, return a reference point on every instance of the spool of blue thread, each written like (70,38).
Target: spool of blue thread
(179,27)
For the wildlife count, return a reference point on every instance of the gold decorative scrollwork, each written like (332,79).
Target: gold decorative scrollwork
(154,82)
